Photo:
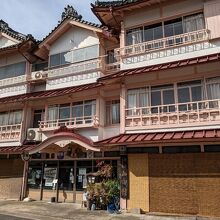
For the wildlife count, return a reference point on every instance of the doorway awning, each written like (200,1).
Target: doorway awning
(62,139)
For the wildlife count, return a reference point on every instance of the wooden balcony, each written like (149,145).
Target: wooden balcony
(77,122)
(200,113)
(10,133)
(163,43)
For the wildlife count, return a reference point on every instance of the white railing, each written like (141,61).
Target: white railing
(190,113)
(163,43)
(13,80)
(74,68)
(112,66)
(77,122)
(10,132)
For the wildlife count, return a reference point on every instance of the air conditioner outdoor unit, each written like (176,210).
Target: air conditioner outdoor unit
(37,75)
(33,134)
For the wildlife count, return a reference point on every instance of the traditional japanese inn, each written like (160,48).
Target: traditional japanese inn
(139,91)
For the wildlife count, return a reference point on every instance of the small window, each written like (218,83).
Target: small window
(112,112)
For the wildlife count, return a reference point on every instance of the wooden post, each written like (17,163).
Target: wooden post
(58,174)
(122,108)
(74,181)
(24,182)
(42,181)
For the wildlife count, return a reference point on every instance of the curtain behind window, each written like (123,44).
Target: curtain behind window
(193,23)
(53,113)
(213,88)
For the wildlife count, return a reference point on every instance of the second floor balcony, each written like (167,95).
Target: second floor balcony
(76,122)
(163,43)
(200,113)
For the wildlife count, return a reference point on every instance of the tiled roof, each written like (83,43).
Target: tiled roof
(4,28)
(140,138)
(164,66)
(100,3)
(16,150)
(48,94)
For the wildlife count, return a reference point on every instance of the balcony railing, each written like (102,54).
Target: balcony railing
(77,122)
(13,81)
(174,115)
(163,43)
(10,132)
(74,69)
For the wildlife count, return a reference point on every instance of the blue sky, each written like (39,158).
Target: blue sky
(39,17)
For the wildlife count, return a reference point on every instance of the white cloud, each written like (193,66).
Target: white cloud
(39,17)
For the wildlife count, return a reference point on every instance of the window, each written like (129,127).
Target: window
(193,22)
(172,28)
(38,116)
(74,56)
(39,66)
(53,112)
(137,98)
(134,36)
(111,57)
(168,28)
(162,95)
(213,91)
(84,111)
(10,118)
(64,112)
(189,92)
(112,112)
(12,70)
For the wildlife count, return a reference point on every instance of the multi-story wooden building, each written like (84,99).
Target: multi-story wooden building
(141,91)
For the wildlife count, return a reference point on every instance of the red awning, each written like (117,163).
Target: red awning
(163,66)
(16,150)
(161,137)
(49,93)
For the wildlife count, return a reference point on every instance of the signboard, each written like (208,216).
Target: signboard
(82,171)
(50,176)
(124,177)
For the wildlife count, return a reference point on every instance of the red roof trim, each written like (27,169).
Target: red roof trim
(159,137)
(164,66)
(16,150)
(48,93)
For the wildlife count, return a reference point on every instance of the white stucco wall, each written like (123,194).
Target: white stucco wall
(74,38)
(11,59)
(5,42)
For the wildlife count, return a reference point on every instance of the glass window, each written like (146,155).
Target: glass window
(53,112)
(55,60)
(153,32)
(189,92)
(213,88)
(137,98)
(112,112)
(134,36)
(13,70)
(193,22)
(64,111)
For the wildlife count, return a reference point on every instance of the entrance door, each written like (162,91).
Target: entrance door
(66,181)
(50,180)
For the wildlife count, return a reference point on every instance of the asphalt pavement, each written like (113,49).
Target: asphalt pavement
(9,217)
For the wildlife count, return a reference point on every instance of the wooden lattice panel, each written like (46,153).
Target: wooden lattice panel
(185,183)
(138,182)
